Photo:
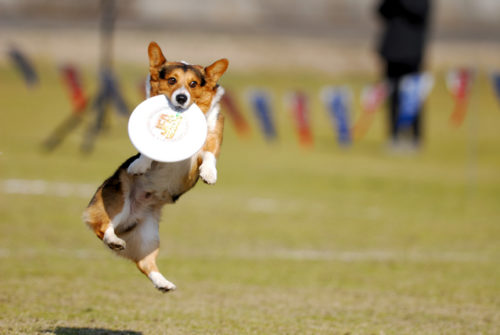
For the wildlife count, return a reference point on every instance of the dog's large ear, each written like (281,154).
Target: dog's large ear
(214,71)
(156,58)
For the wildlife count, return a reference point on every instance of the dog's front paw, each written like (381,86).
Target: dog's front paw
(208,173)
(160,282)
(139,166)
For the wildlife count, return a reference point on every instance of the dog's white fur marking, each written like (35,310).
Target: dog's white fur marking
(140,165)
(181,90)
(160,282)
(208,170)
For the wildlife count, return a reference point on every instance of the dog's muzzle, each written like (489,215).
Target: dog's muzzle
(181,99)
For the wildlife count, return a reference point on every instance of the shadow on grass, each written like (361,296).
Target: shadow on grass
(89,331)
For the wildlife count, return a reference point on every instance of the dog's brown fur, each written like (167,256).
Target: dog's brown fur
(126,208)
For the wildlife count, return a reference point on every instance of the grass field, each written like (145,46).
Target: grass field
(331,240)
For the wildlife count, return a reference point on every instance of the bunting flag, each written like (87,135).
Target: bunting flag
(495,78)
(22,63)
(71,78)
(260,102)
(301,115)
(231,108)
(413,90)
(459,83)
(372,97)
(338,103)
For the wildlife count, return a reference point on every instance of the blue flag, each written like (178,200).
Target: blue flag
(261,105)
(338,103)
(24,66)
(495,77)
(413,91)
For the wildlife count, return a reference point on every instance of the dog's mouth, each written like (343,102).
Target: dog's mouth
(176,106)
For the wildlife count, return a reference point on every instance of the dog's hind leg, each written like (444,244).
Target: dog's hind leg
(143,242)
(148,266)
(106,212)
(110,238)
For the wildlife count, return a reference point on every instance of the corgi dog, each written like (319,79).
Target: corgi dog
(125,210)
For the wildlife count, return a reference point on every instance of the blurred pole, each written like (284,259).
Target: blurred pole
(473,130)
(108,12)
(106,81)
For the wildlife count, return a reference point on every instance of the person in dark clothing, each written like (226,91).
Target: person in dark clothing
(402,49)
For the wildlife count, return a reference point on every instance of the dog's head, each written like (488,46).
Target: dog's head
(184,84)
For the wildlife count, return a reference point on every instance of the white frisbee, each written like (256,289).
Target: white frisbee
(161,132)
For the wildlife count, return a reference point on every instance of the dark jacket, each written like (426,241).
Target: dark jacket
(404,38)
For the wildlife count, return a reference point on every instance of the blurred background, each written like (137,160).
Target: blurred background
(302,234)
(326,35)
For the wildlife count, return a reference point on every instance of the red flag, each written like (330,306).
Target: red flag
(300,112)
(459,83)
(71,78)
(234,113)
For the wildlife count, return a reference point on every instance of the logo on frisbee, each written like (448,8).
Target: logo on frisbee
(167,125)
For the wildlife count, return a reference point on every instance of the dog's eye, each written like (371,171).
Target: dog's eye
(193,84)
(171,80)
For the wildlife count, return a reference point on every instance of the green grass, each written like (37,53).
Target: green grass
(289,241)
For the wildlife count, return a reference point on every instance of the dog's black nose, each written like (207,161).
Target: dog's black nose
(181,98)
